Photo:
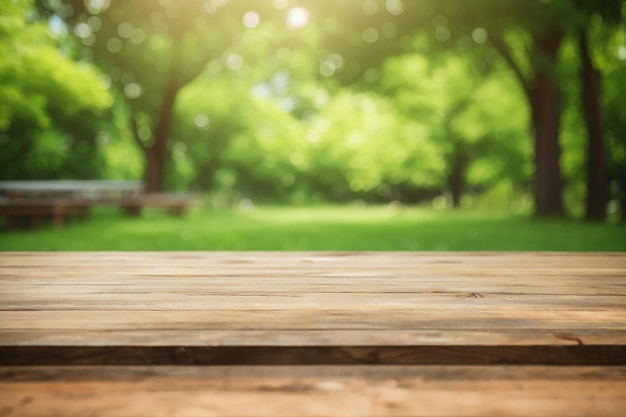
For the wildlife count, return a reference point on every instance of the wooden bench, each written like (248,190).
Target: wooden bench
(85,189)
(35,210)
(175,204)
(35,200)
(310,334)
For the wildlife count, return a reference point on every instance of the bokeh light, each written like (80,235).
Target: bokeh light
(251,19)
(297,18)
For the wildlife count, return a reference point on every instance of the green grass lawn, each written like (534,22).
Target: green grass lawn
(322,228)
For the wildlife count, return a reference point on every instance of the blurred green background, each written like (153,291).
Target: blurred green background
(319,124)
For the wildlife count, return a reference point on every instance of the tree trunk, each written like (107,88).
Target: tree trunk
(596,160)
(456,177)
(545,102)
(544,98)
(206,176)
(546,125)
(457,192)
(153,173)
(156,155)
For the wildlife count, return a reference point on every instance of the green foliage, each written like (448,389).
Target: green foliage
(120,155)
(376,100)
(525,33)
(151,50)
(226,140)
(39,84)
(48,103)
(378,150)
(348,145)
(464,113)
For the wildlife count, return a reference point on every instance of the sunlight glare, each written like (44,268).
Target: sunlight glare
(369,7)
(251,19)
(132,90)
(234,62)
(394,7)
(480,35)
(297,18)
(202,121)
(280,4)
(97,6)
(370,35)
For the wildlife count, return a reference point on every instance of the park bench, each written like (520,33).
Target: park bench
(32,201)
(84,189)
(33,211)
(176,204)
(312,334)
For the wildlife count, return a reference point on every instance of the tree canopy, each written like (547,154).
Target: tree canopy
(377,100)
(48,101)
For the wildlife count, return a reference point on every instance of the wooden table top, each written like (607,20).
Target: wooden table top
(454,324)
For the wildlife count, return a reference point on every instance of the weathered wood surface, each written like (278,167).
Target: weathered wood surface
(330,308)
(313,391)
(389,334)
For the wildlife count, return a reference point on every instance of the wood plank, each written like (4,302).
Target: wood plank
(407,324)
(210,279)
(437,307)
(555,262)
(382,344)
(313,391)
(188,299)
(310,319)
(324,337)
(296,286)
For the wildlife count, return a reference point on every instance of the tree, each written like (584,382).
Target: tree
(229,138)
(596,162)
(527,35)
(614,116)
(458,104)
(152,49)
(611,13)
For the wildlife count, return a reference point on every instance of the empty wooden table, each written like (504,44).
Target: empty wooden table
(288,333)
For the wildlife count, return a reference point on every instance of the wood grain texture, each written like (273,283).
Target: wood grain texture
(313,307)
(313,391)
(312,334)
